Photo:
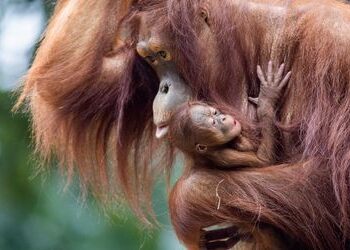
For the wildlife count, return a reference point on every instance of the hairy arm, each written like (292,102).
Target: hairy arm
(251,199)
(270,91)
(230,157)
(271,88)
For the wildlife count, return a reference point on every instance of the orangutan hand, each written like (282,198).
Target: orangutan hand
(270,90)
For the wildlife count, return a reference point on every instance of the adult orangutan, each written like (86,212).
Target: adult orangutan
(97,72)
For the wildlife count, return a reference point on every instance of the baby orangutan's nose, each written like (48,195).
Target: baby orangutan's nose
(222,118)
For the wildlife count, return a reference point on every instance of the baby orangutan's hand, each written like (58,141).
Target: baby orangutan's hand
(270,89)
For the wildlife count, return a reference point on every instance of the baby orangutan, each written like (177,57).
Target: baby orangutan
(217,134)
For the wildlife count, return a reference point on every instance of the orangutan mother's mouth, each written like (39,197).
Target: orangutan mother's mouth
(161,131)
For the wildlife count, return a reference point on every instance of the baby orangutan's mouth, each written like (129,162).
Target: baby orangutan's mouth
(233,125)
(162,130)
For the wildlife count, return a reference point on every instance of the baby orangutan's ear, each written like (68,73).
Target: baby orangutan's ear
(201,148)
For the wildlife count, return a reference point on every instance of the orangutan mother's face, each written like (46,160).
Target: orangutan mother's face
(155,46)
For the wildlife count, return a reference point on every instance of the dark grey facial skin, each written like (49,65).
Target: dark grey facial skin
(172,93)
(172,89)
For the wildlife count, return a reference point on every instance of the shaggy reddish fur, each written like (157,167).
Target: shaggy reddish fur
(100,124)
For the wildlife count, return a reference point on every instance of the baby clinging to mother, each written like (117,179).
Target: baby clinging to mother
(215,136)
(90,96)
(218,137)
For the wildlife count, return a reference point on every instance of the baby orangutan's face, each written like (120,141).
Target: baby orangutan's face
(222,126)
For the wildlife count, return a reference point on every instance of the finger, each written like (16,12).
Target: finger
(261,75)
(279,74)
(269,73)
(254,100)
(285,80)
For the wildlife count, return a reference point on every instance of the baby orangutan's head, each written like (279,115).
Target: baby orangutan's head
(196,126)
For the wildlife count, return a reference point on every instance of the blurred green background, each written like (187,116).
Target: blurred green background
(35,212)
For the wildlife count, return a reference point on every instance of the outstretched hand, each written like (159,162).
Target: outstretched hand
(273,84)
(274,80)
(270,89)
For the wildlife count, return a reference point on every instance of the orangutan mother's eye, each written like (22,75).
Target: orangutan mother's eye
(162,54)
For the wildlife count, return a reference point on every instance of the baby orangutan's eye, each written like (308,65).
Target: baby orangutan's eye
(216,112)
